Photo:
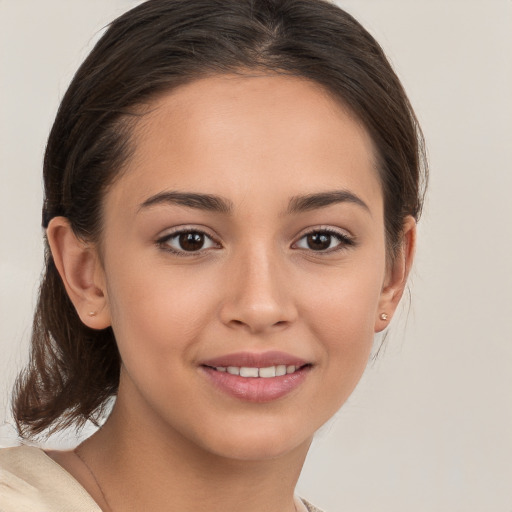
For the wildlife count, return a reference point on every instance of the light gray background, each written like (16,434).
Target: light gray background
(430,426)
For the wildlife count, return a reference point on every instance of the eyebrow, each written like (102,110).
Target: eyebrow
(206,202)
(299,204)
(218,204)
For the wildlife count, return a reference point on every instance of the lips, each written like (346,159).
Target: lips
(255,360)
(256,377)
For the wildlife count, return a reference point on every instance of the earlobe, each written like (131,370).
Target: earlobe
(80,270)
(396,276)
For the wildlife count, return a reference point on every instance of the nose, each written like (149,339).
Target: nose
(258,294)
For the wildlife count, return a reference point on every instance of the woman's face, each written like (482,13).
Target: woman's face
(246,232)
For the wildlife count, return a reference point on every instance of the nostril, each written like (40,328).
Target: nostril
(254,326)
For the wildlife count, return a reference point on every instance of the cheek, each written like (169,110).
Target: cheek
(155,312)
(342,304)
(346,327)
(341,316)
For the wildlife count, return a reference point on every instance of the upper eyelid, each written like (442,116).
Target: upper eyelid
(185,229)
(342,233)
(304,232)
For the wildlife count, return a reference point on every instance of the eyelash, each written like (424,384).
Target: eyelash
(345,241)
(163,242)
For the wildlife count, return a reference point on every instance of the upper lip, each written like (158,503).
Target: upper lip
(255,360)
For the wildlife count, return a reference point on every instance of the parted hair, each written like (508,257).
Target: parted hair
(153,48)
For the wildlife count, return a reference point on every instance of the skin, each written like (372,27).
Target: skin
(256,285)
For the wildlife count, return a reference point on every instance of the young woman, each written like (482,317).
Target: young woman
(231,195)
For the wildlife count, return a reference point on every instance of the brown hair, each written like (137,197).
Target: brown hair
(155,47)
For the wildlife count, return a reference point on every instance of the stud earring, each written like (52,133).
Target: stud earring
(92,313)
(383,316)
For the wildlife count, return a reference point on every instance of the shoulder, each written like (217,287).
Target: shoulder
(30,480)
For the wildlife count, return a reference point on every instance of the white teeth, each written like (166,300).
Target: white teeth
(280,370)
(268,372)
(249,372)
(265,373)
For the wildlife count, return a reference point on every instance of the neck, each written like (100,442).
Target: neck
(142,467)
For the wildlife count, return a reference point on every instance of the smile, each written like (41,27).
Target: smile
(254,377)
(264,373)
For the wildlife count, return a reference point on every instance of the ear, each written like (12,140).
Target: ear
(396,276)
(81,272)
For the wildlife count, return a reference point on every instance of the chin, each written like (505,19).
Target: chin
(263,449)
(257,440)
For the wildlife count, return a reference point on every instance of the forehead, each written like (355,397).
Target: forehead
(235,135)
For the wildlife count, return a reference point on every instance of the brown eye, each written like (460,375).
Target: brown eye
(319,241)
(192,241)
(188,241)
(325,241)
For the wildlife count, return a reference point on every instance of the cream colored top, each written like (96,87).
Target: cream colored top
(31,481)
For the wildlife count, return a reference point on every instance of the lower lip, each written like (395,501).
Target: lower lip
(256,389)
